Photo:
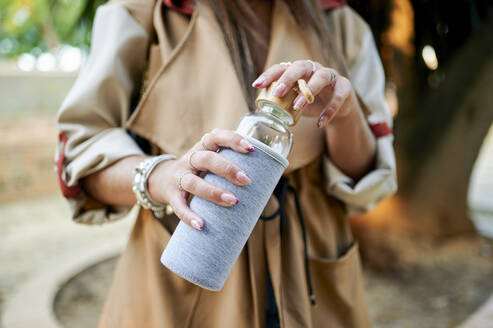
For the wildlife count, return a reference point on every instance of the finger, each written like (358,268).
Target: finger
(199,187)
(321,79)
(217,164)
(341,92)
(298,70)
(270,75)
(184,213)
(226,138)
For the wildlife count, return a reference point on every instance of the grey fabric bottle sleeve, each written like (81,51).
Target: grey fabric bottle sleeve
(206,257)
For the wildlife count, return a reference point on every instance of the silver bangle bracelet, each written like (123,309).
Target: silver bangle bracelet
(140,181)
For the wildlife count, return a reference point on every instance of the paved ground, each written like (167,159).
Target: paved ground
(37,236)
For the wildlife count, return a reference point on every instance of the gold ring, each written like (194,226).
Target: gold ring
(305,90)
(180,187)
(190,160)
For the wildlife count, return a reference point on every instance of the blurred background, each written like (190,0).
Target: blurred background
(427,251)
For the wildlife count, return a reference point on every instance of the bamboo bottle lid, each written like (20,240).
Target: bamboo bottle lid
(285,102)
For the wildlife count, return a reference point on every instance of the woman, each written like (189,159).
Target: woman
(200,60)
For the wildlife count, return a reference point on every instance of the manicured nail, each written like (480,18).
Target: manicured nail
(258,82)
(243,178)
(196,224)
(299,103)
(248,146)
(322,120)
(279,90)
(229,198)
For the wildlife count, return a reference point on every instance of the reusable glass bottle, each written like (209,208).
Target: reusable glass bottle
(269,124)
(206,257)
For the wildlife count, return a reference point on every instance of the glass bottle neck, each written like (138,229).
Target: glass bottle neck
(275,111)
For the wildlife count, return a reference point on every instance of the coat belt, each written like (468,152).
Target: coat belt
(281,190)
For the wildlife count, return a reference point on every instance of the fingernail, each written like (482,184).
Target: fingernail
(196,224)
(243,178)
(229,198)
(279,90)
(245,144)
(299,103)
(258,82)
(322,120)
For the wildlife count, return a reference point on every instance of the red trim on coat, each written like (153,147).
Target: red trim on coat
(186,6)
(332,4)
(67,192)
(380,129)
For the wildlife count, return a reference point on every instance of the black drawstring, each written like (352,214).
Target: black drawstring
(280,192)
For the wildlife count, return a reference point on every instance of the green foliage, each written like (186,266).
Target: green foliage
(44,24)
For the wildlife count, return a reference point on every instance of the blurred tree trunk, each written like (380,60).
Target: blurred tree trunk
(439,132)
(442,146)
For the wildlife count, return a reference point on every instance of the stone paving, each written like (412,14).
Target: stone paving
(39,248)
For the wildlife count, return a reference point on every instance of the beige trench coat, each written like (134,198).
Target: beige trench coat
(184,98)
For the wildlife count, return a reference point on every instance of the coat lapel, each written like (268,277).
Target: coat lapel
(196,89)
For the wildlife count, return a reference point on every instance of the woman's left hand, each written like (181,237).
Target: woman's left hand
(334,95)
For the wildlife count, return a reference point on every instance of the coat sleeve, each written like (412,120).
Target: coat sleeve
(368,79)
(91,117)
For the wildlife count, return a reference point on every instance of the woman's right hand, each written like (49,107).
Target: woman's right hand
(164,181)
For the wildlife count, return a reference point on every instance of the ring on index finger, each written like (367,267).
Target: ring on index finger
(202,142)
(190,160)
